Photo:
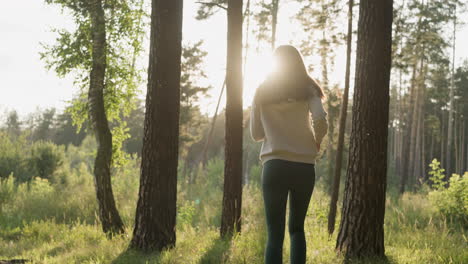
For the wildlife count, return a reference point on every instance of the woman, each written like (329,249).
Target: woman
(280,117)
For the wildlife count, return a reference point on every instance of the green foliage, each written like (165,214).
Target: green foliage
(7,190)
(437,175)
(13,124)
(14,157)
(191,120)
(57,222)
(71,53)
(46,158)
(185,214)
(209,8)
(26,160)
(452,201)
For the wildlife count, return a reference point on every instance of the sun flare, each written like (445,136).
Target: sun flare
(258,66)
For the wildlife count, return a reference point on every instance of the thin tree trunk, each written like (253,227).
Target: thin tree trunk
(232,194)
(108,214)
(418,159)
(406,168)
(274,21)
(155,218)
(465,149)
(451,106)
(344,111)
(203,155)
(442,141)
(247,28)
(456,136)
(361,228)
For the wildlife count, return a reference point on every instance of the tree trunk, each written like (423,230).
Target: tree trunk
(464,166)
(274,21)
(344,111)
(448,166)
(361,229)
(442,141)
(232,195)
(407,133)
(203,156)
(108,214)
(155,218)
(418,154)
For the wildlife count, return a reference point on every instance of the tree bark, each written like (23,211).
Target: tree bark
(361,229)
(155,218)
(232,195)
(108,214)
(344,111)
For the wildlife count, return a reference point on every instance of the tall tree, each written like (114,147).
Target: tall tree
(111,221)
(341,133)
(361,229)
(155,218)
(13,124)
(232,195)
(322,36)
(451,103)
(97,52)
(267,21)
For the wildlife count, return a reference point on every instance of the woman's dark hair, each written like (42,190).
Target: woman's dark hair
(289,81)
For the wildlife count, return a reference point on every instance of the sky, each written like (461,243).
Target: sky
(26,85)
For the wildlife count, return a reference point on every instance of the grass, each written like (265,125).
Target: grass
(57,223)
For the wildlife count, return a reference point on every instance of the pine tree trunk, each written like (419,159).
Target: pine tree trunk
(344,111)
(361,229)
(232,195)
(108,214)
(448,166)
(464,161)
(155,218)
(406,168)
(274,21)
(414,132)
(209,138)
(418,158)
(442,141)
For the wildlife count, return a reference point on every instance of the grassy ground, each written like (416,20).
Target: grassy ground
(57,223)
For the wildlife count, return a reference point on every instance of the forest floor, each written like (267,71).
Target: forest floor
(47,224)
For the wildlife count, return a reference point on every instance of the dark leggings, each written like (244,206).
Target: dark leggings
(280,177)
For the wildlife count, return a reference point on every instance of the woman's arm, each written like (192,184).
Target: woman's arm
(256,126)
(319,118)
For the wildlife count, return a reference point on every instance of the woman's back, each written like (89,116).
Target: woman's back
(286,129)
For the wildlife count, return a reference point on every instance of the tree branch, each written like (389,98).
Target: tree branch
(212,4)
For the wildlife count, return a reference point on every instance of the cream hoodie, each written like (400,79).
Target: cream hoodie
(286,129)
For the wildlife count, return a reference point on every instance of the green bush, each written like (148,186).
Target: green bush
(14,155)
(46,158)
(452,201)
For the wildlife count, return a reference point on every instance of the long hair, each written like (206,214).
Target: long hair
(289,80)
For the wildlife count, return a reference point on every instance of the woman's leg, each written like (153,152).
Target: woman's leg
(299,198)
(275,194)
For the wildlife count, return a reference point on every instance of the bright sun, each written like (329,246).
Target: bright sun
(257,68)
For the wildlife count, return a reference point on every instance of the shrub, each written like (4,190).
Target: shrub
(14,156)
(45,159)
(452,201)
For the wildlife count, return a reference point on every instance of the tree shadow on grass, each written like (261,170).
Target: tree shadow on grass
(216,254)
(370,260)
(136,257)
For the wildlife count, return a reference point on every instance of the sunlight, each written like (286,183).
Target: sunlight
(259,65)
